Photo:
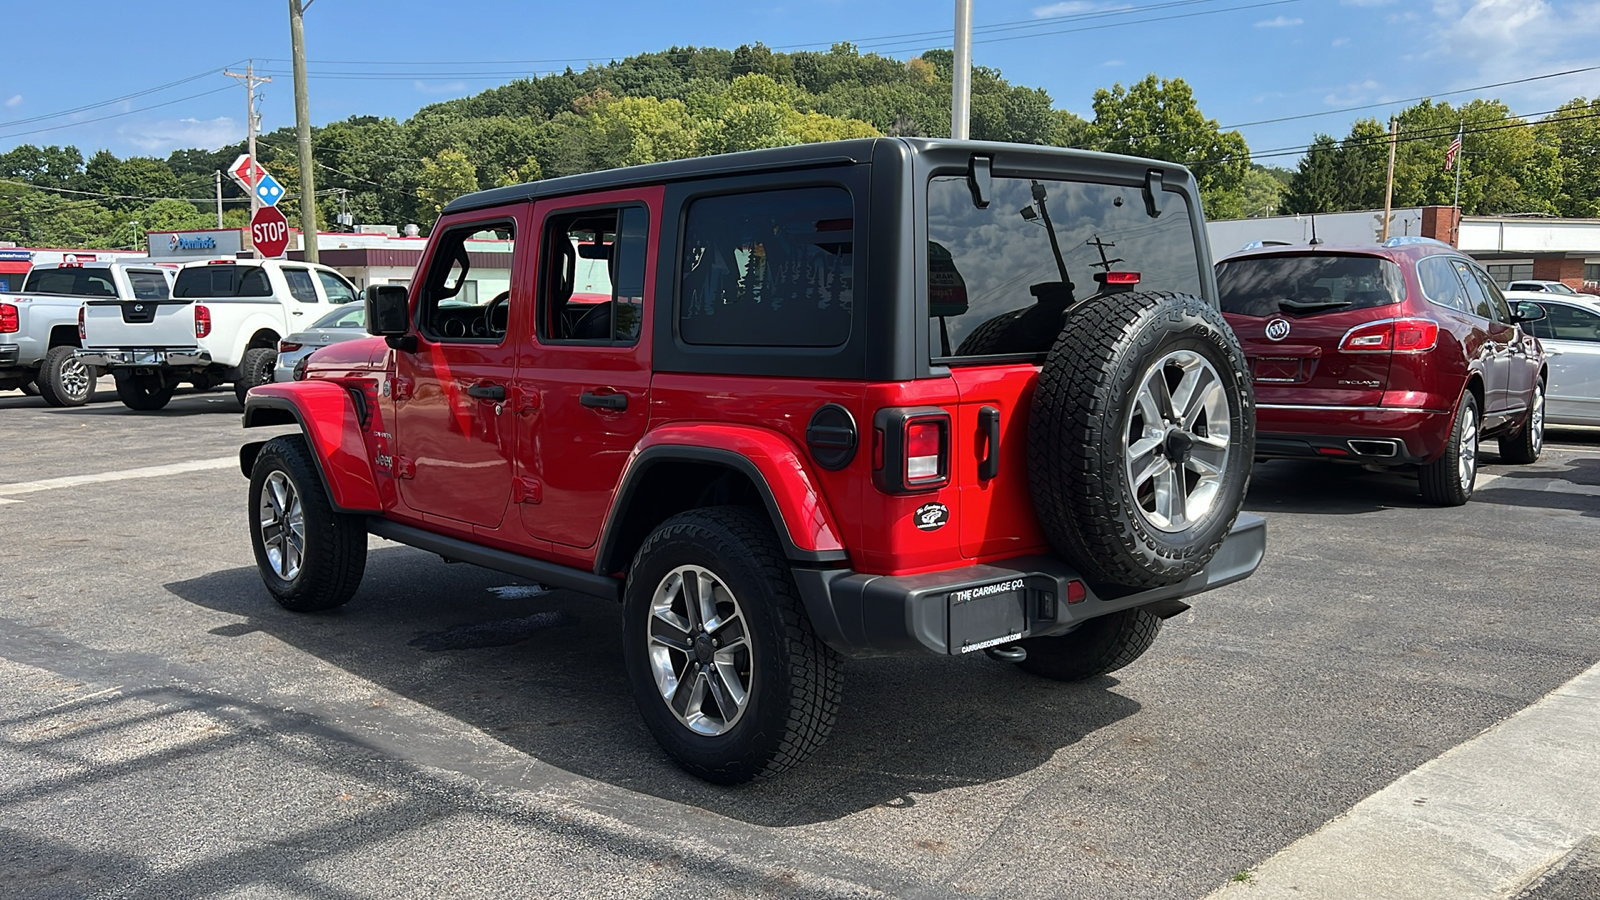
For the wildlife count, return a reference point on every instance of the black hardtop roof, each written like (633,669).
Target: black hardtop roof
(831,153)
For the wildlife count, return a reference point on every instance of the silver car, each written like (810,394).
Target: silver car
(1570,333)
(345,323)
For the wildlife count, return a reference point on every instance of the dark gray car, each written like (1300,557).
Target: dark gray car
(345,323)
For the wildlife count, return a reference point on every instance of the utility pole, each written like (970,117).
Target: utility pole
(961,77)
(219,197)
(252,119)
(302,128)
(1388,187)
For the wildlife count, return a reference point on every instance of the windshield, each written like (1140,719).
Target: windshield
(71,281)
(1307,285)
(1000,278)
(350,315)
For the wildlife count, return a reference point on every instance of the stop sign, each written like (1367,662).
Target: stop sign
(269,230)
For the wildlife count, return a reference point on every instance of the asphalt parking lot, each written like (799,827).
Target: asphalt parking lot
(166,730)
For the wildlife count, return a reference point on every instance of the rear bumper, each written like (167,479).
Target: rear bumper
(960,611)
(182,357)
(10,354)
(1379,435)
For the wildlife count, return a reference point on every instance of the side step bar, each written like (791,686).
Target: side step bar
(545,573)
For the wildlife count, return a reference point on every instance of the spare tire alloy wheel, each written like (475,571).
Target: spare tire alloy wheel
(1176,441)
(698,651)
(63,379)
(1140,437)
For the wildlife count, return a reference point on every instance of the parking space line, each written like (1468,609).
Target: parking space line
(1476,822)
(71,481)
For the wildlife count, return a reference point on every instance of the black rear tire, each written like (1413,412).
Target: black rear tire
(63,380)
(1524,447)
(791,680)
(1098,513)
(255,369)
(1098,646)
(144,393)
(1442,481)
(319,564)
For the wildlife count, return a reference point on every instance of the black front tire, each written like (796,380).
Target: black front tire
(1524,447)
(63,380)
(256,369)
(330,547)
(793,679)
(144,393)
(1449,480)
(1098,646)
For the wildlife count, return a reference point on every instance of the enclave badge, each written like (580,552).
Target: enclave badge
(932,516)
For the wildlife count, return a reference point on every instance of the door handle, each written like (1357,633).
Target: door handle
(495,392)
(296,312)
(603,401)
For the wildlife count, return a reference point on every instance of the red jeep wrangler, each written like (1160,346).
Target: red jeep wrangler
(856,399)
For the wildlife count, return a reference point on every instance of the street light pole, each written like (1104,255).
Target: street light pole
(961,77)
(302,127)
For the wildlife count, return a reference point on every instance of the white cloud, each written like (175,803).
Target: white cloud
(1503,40)
(1280,22)
(1111,63)
(14,102)
(1339,42)
(445,87)
(1352,94)
(161,138)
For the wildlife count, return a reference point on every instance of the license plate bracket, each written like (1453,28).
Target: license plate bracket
(987,616)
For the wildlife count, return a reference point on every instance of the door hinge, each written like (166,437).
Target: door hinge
(403,388)
(404,467)
(525,399)
(526,490)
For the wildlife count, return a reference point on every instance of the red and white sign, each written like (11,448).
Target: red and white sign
(269,230)
(240,172)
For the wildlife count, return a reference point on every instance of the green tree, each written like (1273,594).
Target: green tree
(444,178)
(1160,119)
(1315,186)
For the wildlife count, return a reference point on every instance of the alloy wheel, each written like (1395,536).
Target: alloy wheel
(283,526)
(1536,420)
(1467,467)
(75,378)
(1176,442)
(700,653)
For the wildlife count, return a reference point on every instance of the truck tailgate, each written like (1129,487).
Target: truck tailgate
(138,323)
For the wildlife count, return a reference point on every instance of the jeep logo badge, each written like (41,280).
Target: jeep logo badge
(932,516)
(1277,329)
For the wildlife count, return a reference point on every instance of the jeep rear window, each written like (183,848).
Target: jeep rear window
(768,269)
(992,265)
(70,281)
(1308,284)
(223,280)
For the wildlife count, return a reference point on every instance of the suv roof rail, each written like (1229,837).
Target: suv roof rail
(1401,240)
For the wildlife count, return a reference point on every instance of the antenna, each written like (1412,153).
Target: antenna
(1314,239)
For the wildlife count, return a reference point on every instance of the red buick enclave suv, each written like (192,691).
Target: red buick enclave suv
(1399,354)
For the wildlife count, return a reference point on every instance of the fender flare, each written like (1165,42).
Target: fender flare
(254,322)
(806,526)
(325,414)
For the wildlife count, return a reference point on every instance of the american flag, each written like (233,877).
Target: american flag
(1451,152)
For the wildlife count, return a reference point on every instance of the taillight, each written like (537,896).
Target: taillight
(915,449)
(1392,336)
(288,346)
(83,334)
(1122,278)
(202,321)
(10,320)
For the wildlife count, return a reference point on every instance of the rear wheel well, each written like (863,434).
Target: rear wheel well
(1475,385)
(64,336)
(670,487)
(265,338)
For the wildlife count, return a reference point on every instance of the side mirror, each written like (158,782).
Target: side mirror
(388,310)
(1527,311)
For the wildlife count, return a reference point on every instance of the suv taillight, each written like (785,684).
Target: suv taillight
(9,319)
(202,321)
(1393,336)
(911,449)
(83,333)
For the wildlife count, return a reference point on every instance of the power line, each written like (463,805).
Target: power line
(117,115)
(106,196)
(1424,135)
(1481,87)
(88,106)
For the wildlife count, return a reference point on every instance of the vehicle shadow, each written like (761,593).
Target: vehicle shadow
(542,672)
(1295,486)
(1526,487)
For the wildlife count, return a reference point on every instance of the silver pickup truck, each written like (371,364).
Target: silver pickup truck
(42,326)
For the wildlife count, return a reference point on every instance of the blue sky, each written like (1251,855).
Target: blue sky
(1247,60)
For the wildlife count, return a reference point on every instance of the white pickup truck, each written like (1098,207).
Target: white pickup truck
(39,326)
(222,324)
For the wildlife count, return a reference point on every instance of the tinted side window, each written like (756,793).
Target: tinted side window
(1565,323)
(337,289)
(1497,300)
(466,294)
(592,276)
(768,269)
(1441,285)
(1477,299)
(300,286)
(148,285)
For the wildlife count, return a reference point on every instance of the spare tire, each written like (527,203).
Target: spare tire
(1141,437)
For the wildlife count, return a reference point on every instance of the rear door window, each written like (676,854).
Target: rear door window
(1042,244)
(1477,298)
(337,289)
(1441,285)
(1307,285)
(768,269)
(300,285)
